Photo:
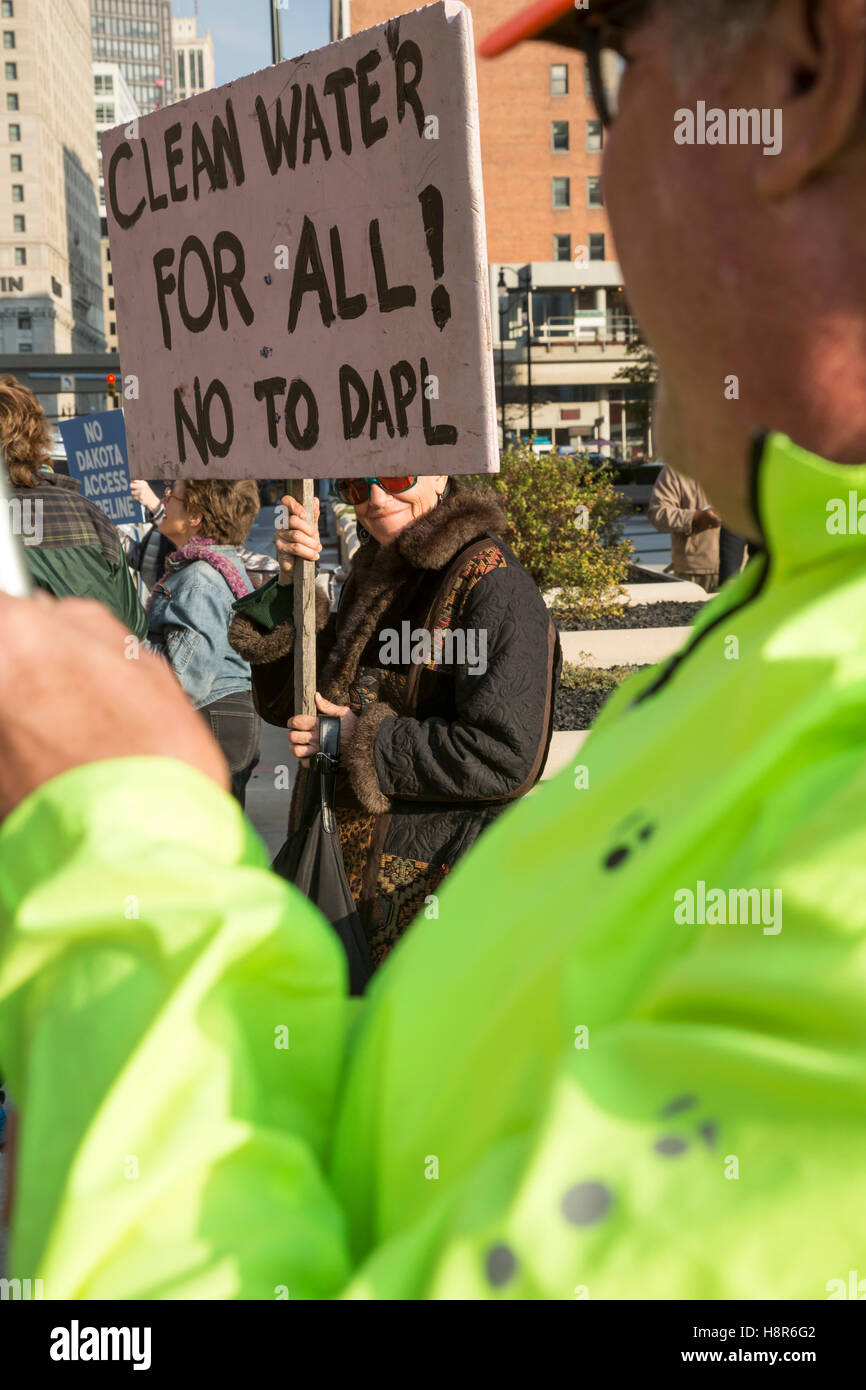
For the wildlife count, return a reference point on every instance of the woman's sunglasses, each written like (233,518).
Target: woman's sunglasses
(357,490)
(602,39)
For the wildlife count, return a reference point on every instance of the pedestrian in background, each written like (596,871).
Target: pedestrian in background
(191,607)
(147,547)
(680,505)
(71,547)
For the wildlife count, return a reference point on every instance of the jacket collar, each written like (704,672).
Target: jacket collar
(811,511)
(380,572)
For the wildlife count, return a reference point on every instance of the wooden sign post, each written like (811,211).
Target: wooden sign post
(304,593)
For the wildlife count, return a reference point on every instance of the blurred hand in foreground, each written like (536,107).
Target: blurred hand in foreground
(77,688)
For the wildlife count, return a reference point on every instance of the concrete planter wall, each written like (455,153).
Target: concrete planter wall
(620,647)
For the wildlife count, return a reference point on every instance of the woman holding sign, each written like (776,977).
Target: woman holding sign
(441,661)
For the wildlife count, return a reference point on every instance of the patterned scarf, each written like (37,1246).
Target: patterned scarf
(199,549)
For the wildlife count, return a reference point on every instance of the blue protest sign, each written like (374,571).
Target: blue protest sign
(96,455)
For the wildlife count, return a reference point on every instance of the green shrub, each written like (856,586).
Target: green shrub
(565,524)
(591,678)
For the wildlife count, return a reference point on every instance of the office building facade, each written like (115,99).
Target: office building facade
(114,105)
(192,59)
(136,34)
(50,280)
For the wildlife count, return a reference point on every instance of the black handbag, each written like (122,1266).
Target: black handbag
(312,858)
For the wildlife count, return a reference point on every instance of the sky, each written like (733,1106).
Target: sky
(241,31)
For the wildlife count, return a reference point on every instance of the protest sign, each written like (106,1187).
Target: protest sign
(299,263)
(96,455)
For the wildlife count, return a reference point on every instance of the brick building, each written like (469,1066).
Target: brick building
(559,311)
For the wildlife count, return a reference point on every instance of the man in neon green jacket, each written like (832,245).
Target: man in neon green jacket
(628,1059)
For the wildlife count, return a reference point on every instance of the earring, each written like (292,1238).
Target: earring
(362,533)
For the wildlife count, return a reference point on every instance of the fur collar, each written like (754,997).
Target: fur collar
(432,541)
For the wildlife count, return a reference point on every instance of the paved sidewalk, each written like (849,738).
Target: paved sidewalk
(268,806)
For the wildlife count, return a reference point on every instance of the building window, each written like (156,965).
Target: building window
(108,82)
(25,323)
(20,255)
(7,11)
(200,72)
(559,79)
(18,193)
(562,248)
(105,114)
(112,328)
(593,192)
(562,193)
(25,347)
(559,136)
(8,38)
(594,136)
(11,72)
(181,70)
(110,279)
(11,101)
(18,223)
(14,132)
(111,303)
(596,246)
(16,163)
(191,68)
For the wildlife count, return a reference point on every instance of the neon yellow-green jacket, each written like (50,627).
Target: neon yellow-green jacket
(581,1079)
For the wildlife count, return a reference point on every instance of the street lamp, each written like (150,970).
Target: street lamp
(503,300)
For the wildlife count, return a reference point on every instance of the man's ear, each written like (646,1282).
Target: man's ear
(815,73)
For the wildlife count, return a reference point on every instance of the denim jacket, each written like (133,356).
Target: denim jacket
(189,617)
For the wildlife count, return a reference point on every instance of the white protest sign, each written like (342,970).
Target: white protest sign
(299,264)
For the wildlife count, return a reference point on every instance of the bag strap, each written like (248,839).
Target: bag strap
(327,763)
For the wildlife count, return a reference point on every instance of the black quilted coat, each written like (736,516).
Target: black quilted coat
(442,745)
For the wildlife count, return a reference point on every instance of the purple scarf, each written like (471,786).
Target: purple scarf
(199,549)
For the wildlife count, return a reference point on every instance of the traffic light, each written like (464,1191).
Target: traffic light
(111,387)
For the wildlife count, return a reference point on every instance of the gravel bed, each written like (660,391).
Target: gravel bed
(666,614)
(577,707)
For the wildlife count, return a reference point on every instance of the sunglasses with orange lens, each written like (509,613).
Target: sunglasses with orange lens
(356,490)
